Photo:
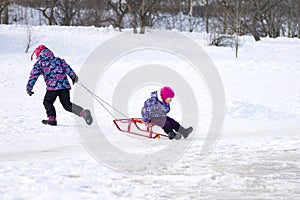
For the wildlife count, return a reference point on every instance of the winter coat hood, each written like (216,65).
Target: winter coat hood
(46,54)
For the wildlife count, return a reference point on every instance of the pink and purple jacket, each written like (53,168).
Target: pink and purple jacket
(154,107)
(54,71)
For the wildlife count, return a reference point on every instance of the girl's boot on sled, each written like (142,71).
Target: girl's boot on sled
(185,131)
(173,135)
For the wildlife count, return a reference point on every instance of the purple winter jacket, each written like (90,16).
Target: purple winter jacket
(54,71)
(154,107)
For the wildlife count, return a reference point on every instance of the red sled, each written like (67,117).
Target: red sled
(136,126)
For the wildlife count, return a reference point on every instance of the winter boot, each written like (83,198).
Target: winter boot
(51,121)
(86,114)
(173,135)
(185,131)
(177,136)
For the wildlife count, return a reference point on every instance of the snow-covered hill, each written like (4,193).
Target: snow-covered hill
(257,156)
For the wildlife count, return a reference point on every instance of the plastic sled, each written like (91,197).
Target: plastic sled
(137,127)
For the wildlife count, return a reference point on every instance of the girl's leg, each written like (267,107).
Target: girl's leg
(168,124)
(64,97)
(171,124)
(48,102)
(159,121)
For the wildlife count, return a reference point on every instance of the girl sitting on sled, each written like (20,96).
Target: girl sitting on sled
(155,111)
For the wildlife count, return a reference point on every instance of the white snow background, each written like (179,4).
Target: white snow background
(257,156)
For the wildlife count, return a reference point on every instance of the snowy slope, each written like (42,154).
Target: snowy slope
(257,156)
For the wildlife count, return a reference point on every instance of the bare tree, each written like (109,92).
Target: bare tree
(30,38)
(226,11)
(291,14)
(298,17)
(67,9)
(140,11)
(261,18)
(4,16)
(47,8)
(119,8)
(1,11)
(164,14)
(191,6)
(94,12)
(237,32)
(132,7)
(252,17)
(48,12)
(207,16)
(274,18)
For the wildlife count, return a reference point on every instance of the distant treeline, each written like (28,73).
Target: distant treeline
(260,18)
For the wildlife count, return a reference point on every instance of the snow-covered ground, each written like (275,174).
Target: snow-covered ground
(257,156)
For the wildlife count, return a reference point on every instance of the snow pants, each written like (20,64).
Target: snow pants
(166,123)
(64,97)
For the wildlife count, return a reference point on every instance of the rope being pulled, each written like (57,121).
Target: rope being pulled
(101,101)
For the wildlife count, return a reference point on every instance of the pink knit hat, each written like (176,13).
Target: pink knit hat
(166,92)
(38,50)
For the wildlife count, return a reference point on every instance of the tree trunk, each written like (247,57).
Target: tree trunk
(120,9)
(298,30)
(50,17)
(5,12)
(134,19)
(120,19)
(289,22)
(298,18)
(143,18)
(237,31)
(225,22)
(143,24)
(191,15)
(256,37)
(134,23)
(206,16)
(225,9)
(254,31)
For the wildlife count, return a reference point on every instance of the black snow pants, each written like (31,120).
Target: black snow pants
(64,97)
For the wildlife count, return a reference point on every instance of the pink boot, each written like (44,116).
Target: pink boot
(51,121)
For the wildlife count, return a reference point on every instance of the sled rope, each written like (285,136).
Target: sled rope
(102,101)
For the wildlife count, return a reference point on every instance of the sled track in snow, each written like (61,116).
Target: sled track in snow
(44,153)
